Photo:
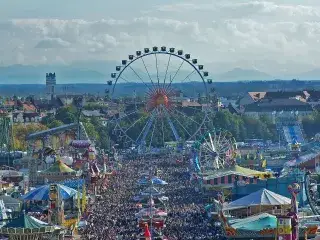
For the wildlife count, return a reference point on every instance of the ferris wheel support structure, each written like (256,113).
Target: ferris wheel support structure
(6,134)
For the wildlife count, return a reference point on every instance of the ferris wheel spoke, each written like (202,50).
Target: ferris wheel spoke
(154,126)
(184,115)
(155,55)
(126,115)
(187,77)
(176,119)
(213,147)
(224,150)
(165,76)
(147,72)
(221,162)
(146,128)
(132,125)
(174,76)
(173,129)
(220,139)
(207,146)
(162,125)
(140,78)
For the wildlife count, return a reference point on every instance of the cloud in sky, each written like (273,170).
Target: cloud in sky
(274,37)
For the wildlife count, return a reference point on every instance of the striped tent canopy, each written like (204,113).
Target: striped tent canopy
(237,170)
(42,193)
(59,168)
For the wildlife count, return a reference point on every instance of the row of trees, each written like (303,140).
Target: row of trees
(242,127)
(311,124)
(94,128)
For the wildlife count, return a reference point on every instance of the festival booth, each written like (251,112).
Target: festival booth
(61,201)
(151,211)
(262,201)
(263,225)
(223,180)
(59,171)
(79,148)
(156,202)
(157,222)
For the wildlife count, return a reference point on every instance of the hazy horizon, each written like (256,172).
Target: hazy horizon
(278,37)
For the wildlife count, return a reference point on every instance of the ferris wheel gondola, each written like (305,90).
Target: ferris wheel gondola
(160,106)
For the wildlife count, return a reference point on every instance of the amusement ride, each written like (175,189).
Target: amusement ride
(216,149)
(162,102)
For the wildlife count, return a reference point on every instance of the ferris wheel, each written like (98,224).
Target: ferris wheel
(159,96)
(214,150)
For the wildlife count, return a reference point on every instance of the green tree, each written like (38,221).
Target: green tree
(20,132)
(48,119)
(55,123)
(67,114)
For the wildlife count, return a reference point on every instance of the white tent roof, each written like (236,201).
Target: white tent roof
(261,197)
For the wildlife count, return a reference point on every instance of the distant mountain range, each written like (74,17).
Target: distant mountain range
(239,74)
(99,72)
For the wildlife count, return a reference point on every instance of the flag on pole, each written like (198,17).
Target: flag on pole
(78,202)
(147,233)
(84,198)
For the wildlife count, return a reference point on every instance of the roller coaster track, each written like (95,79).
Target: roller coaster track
(313,205)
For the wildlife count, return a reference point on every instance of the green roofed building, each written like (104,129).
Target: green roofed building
(27,227)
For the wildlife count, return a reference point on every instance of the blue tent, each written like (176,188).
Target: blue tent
(155,181)
(73,183)
(42,193)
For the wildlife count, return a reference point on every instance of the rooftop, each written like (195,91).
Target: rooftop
(278,105)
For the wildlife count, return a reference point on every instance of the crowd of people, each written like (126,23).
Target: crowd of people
(113,216)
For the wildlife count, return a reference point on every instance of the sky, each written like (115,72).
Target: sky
(276,37)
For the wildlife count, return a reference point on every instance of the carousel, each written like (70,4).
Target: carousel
(152,212)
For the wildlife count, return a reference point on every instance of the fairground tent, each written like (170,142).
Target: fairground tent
(58,168)
(27,227)
(259,202)
(236,170)
(255,223)
(263,197)
(42,193)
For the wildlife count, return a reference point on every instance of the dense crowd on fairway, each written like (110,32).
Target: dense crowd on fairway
(113,216)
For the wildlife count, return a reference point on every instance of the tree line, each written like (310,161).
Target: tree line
(242,127)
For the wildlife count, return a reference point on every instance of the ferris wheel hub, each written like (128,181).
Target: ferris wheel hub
(158,99)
